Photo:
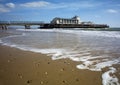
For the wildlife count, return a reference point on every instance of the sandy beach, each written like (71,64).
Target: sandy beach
(27,68)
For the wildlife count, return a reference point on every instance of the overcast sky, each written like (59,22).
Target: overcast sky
(97,11)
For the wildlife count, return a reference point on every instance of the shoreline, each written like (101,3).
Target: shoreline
(19,67)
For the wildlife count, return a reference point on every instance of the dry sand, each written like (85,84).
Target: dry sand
(27,68)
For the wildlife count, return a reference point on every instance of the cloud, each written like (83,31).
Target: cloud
(112,11)
(35,4)
(3,9)
(97,16)
(74,5)
(10,5)
(6,7)
(49,5)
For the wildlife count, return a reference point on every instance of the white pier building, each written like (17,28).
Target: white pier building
(74,20)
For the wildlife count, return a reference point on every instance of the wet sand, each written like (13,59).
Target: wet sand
(27,68)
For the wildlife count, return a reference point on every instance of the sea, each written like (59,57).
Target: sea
(94,50)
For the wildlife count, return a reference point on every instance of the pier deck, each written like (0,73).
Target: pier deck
(75,26)
(27,24)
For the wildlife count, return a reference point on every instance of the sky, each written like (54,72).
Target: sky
(97,11)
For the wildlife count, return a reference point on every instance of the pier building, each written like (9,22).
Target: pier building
(73,20)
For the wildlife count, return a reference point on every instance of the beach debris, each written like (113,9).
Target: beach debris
(29,81)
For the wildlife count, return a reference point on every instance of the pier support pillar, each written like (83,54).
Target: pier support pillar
(4,27)
(27,26)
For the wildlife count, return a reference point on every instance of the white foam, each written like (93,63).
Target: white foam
(98,65)
(27,29)
(87,63)
(82,56)
(55,53)
(93,33)
(39,30)
(109,78)
(101,65)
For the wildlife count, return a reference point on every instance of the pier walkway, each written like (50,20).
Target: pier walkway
(27,24)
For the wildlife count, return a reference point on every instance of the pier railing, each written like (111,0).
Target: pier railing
(21,22)
(27,24)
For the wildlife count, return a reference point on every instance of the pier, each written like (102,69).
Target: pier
(27,24)
(57,22)
(4,24)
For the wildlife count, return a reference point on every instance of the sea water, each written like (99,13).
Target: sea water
(94,50)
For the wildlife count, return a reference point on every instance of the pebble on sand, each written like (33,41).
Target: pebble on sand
(41,82)
(46,73)
(77,79)
(62,69)
(48,62)
(64,61)
(29,81)
(37,63)
(64,81)
(68,63)
(72,69)
(8,61)
(20,76)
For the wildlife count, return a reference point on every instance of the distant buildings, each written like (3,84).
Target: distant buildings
(74,20)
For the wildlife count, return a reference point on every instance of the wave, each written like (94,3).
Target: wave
(37,30)
(115,34)
(93,63)
(84,56)
(109,78)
